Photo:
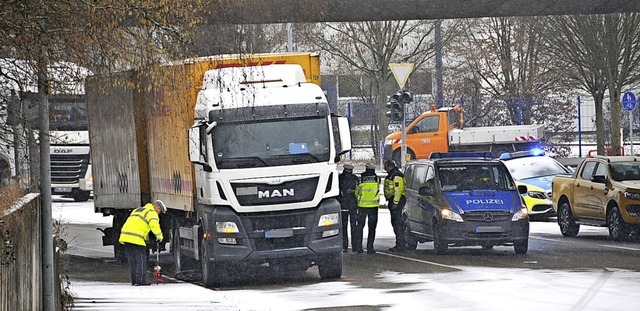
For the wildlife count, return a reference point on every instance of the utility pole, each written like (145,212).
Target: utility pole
(289,38)
(438,46)
(48,275)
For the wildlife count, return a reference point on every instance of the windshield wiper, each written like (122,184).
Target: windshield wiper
(244,161)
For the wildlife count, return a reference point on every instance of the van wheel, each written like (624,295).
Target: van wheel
(439,245)
(618,229)
(410,241)
(521,247)
(330,267)
(211,272)
(567,223)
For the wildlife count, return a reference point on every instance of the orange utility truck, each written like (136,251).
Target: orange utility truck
(441,130)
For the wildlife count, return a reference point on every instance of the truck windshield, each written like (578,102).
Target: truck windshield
(68,116)
(466,177)
(625,171)
(271,143)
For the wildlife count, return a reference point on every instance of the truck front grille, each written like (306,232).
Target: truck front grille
(68,169)
(301,223)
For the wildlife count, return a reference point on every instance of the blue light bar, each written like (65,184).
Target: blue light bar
(522,154)
(457,155)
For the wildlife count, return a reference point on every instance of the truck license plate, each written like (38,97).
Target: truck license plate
(62,190)
(491,229)
(278,233)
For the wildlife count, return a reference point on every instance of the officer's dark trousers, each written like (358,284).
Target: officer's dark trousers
(137,257)
(397,222)
(349,219)
(372,223)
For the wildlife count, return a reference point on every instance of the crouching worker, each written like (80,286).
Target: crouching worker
(134,234)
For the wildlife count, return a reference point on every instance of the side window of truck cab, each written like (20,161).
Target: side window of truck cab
(587,170)
(427,125)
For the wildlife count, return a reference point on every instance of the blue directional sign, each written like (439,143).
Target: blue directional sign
(629,101)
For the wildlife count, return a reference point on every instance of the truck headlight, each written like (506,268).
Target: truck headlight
(632,195)
(520,214)
(536,195)
(226,227)
(328,220)
(451,215)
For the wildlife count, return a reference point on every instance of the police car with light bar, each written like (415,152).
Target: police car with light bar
(463,199)
(534,172)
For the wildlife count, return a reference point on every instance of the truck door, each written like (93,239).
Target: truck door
(427,135)
(585,201)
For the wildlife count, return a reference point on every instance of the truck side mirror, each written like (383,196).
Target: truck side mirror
(601,179)
(198,145)
(342,134)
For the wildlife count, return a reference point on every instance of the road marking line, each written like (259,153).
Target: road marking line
(422,261)
(73,247)
(621,247)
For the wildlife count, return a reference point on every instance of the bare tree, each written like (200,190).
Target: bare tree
(599,53)
(367,48)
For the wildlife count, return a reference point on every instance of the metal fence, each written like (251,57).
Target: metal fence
(21,255)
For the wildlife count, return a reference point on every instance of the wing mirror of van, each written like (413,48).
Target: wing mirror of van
(426,191)
(522,189)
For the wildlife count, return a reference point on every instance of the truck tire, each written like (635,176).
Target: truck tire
(410,241)
(211,272)
(521,247)
(566,221)
(175,247)
(618,229)
(81,196)
(439,245)
(119,219)
(330,267)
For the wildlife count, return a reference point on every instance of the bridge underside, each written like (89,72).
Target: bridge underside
(295,11)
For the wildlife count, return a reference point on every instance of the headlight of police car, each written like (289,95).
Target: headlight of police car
(537,195)
(451,215)
(632,195)
(328,220)
(520,214)
(226,227)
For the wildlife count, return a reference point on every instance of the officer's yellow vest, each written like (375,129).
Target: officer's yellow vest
(140,222)
(368,194)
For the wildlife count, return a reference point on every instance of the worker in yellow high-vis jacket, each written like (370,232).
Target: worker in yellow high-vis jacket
(368,195)
(394,193)
(134,236)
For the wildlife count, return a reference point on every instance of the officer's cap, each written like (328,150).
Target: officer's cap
(348,167)
(163,208)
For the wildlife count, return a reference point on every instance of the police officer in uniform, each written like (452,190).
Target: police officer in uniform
(134,234)
(349,205)
(395,195)
(368,194)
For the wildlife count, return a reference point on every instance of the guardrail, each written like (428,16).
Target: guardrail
(21,255)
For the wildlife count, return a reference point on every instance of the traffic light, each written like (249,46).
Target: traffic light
(396,105)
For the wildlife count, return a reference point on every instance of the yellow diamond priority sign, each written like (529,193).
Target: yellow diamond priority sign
(401,72)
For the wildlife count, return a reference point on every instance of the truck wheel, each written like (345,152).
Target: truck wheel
(211,272)
(175,248)
(439,245)
(410,241)
(618,229)
(330,267)
(118,249)
(567,223)
(521,247)
(81,196)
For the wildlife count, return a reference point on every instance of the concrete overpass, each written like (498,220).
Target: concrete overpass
(295,11)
